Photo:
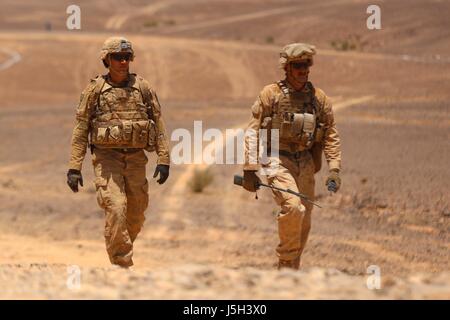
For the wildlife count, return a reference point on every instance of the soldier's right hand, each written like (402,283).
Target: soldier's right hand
(251,181)
(73,178)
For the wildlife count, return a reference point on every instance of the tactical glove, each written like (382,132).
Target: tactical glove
(73,178)
(163,171)
(334,181)
(251,181)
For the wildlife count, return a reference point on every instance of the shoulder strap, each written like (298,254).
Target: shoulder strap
(315,101)
(285,91)
(283,87)
(146,96)
(99,83)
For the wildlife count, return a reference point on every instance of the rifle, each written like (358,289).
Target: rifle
(239,179)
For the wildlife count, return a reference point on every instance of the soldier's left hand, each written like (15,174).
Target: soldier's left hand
(334,181)
(74,178)
(163,171)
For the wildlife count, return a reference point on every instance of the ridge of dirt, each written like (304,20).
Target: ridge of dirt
(193,281)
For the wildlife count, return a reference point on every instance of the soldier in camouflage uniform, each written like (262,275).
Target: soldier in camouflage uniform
(119,116)
(304,117)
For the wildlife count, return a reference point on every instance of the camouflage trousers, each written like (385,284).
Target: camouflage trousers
(294,217)
(122,191)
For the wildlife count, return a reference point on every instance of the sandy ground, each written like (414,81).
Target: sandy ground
(194,281)
(392,112)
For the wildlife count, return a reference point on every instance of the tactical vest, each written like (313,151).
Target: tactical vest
(123,116)
(295,117)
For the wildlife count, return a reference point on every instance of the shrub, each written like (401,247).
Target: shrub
(200,180)
(151,24)
(270,39)
(352,42)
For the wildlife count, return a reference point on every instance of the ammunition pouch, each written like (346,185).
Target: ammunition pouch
(298,117)
(298,128)
(118,133)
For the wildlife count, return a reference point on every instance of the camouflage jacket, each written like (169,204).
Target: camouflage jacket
(264,106)
(85,113)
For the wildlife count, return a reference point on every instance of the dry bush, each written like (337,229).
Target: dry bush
(151,24)
(200,180)
(352,42)
(270,39)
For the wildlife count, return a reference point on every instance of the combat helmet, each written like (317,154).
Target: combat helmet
(296,52)
(115,44)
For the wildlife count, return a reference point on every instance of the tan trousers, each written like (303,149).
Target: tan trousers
(122,191)
(294,218)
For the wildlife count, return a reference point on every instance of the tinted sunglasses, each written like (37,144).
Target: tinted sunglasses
(121,56)
(300,65)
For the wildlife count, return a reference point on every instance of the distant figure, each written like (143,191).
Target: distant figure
(120,115)
(304,118)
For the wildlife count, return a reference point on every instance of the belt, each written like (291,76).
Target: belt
(295,155)
(127,150)
(121,150)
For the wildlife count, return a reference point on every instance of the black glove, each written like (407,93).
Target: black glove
(163,171)
(251,181)
(334,181)
(73,178)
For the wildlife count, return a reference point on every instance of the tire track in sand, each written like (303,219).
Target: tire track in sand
(242,17)
(377,250)
(98,38)
(232,19)
(14,57)
(118,20)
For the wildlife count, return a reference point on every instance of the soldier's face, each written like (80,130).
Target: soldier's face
(297,73)
(119,62)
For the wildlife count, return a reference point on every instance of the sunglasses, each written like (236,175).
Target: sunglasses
(300,65)
(121,56)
